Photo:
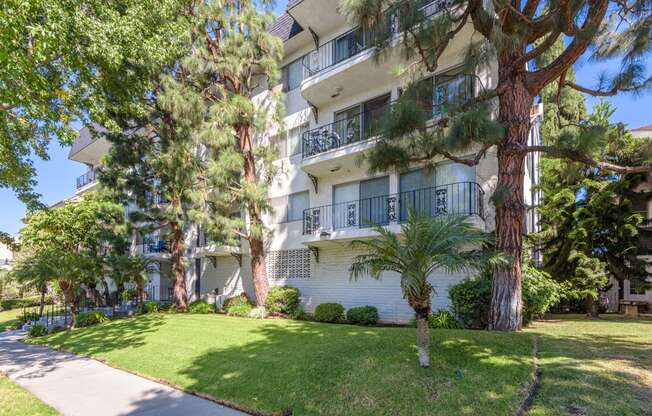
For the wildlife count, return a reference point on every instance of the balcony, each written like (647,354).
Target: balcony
(344,63)
(154,246)
(87,178)
(359,127)
(329,147)
(461,198)
(207,247)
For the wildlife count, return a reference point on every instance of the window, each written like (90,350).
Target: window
(451,89)
(294,139)
(292,75)
(288,143)
(361,120)
(279,140)
(290,207)
(288,264)
(297,203)
(348,45)
(360,203)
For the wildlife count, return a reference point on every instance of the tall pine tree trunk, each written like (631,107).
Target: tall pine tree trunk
(256,248)
(178,266)
(514,112)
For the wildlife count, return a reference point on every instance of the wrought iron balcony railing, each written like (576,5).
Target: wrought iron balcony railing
(87,178)
(460,198)
(368,124)
(155,246)
(358,40)
(361,126)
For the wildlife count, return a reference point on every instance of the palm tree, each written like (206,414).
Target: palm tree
(426,245)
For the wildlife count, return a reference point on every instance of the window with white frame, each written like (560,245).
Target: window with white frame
(288,142)
(292,74)
(290,208)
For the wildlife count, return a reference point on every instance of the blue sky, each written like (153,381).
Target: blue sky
(56,177)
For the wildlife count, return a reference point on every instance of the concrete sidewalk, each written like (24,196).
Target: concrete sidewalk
(81,386)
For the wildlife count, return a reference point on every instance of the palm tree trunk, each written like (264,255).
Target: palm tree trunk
(423,340)
(69,298)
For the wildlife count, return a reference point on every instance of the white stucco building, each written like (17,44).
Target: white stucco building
(334,93)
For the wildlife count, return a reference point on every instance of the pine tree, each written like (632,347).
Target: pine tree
(233,59)
(508,35)
(589,224)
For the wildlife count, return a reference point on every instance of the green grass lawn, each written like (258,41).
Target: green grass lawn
(594,367)
(588,367)
(317,369)
(9,318)
(16,401)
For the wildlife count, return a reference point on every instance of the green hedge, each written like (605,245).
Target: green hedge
(282,299)
(329,312)
(242,298)
(148,307)
(91,318)
(24,302)
(241,309)
(472,297)
(201,307)
(362,315)
(37,330)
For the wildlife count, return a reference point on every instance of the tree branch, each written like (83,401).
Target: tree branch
(582,158)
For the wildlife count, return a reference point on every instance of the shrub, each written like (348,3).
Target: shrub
(363,315)
(167,307)
(201,306)
(91,318)
(329,312)
(242,298)
(129,294)
(25,302)
(258,313)
(300,314)
(282,299)
(37,330)
(148,307)
(443,319)
(241,309)
(540,292)
(470,300)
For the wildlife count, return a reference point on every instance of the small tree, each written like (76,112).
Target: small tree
(29,271)
(448,243)
(67,242)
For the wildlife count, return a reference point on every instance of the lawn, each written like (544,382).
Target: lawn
(317,369)
(9,318)
(594,367)
(601,367)
(16,401)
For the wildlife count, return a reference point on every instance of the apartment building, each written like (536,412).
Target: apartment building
(335,92)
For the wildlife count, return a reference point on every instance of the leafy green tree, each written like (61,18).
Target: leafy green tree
(67,242)
(508,36)
(63,61)
(233,58)
(29,271)
(449,244)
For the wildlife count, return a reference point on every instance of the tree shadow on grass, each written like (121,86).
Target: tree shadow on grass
(115,335)
(315,368)
(595,372)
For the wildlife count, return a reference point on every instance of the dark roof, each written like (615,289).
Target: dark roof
(285,27)
(643,128)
